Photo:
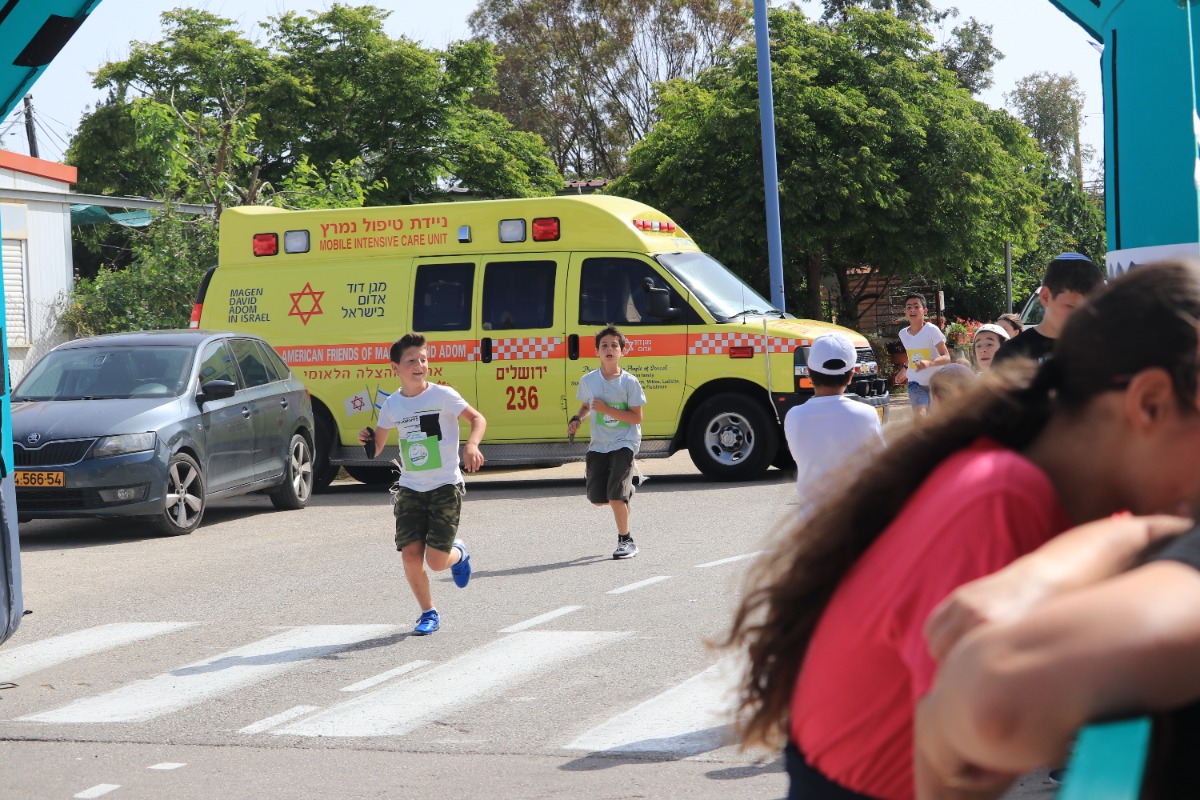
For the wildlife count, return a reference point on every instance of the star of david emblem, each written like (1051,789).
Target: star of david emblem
(358,403)
(314,308)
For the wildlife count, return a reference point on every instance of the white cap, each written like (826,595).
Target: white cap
(991,327)
(832,354)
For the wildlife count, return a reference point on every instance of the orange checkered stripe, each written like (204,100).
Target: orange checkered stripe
(707,344)
(527,349)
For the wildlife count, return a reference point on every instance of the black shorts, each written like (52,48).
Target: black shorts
(610,475)
(809,784)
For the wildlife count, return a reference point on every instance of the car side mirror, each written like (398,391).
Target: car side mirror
(216,390)
(660,302)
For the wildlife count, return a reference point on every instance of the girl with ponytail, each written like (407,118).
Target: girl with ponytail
(832,618)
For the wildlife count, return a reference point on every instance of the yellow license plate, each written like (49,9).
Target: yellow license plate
(29,478)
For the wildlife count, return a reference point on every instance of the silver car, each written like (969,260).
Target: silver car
(155,424)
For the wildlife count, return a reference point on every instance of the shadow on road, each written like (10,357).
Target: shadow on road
(674,748)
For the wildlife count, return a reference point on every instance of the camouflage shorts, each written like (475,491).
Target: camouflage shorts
(430,517)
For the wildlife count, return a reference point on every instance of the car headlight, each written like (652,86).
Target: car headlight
(125,443)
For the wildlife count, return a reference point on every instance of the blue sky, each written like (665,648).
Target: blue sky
(1033,34)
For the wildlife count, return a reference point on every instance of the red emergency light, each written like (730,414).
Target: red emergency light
(266,244)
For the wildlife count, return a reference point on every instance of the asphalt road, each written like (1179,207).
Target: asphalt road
(268,654)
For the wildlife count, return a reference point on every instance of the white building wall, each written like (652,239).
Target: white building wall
(48,271)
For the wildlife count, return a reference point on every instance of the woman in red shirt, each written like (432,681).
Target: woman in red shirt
(832,620)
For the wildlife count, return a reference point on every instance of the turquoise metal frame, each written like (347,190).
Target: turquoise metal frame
(32,32)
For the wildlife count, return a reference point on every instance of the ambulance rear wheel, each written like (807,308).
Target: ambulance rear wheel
(323,471)
(732,438)
(372,476)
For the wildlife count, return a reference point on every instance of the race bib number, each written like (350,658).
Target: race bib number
(421,452)
(610,422)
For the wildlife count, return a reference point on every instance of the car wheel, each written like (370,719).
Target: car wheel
(185,498)
(297,485)
(372,476)
(323,471)
(732,438)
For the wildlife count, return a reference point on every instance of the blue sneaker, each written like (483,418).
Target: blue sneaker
(428,622)
(462,570)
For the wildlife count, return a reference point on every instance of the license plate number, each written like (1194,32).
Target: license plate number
(28,478)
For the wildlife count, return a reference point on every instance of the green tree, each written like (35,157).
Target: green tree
(1051,106)
(968,50)
(884,159)
(202,159)
(330,87)
(581,73)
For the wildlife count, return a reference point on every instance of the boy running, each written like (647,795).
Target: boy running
(430,490)
(617,399)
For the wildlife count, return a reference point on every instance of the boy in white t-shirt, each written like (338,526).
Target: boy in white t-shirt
(927,353)
(430,490)
(830,428)
(614,400)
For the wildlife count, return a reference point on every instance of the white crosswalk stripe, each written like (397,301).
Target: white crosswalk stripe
(687,719)
(16,662)
(472,677)
(203,680)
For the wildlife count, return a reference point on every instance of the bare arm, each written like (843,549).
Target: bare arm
(580,415)
(942,357)
(632,415)
(1080,557)
(1011,696)
(379,437)
(472,458)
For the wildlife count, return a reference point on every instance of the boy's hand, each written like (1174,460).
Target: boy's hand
(573,425)
(366,435)
(600,407)
(472,458)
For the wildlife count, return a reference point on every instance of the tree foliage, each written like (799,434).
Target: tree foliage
(1051,106)
(968,50)
(156,291)
(884,159)
(581,73)
(329,112)
(324,88)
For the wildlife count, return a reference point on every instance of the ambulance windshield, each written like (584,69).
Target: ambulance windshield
(722,293)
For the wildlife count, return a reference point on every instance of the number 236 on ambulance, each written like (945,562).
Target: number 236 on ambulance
(509,295)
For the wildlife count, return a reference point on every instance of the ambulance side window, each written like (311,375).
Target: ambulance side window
(442,297)
(612,291)
(518,294)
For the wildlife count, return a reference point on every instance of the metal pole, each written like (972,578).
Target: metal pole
(1008,276)
(29,132)
(766,105)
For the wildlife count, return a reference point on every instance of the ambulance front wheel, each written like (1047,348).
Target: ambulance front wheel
(323,471)
(732,438)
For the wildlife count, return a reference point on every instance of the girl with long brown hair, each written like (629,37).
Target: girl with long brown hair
(832,618)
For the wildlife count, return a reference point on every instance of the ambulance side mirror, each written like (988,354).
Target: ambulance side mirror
(660,302)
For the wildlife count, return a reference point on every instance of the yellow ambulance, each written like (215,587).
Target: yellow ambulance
(510,294)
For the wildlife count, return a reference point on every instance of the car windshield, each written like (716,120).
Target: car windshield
(722,293)
(95,373)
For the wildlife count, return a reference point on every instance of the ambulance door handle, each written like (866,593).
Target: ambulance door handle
(573,347)
(485,350)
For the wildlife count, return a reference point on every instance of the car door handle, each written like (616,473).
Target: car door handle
(283,402)
(246,412)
